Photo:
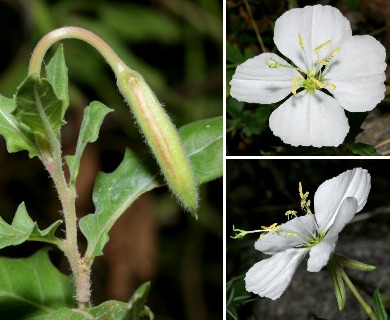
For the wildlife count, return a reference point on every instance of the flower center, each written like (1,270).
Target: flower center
(311,79)
(312,241)
(314,78)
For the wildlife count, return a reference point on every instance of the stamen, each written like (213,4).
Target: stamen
(316,49)
(272,63)
(331,84)
(291,213)
(305,204)
(274,228)
(322,62)
(332,53)
(307,207)
(291,235)
(318,83)
(300,41)
(294,86)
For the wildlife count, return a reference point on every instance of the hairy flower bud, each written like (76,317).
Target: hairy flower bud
(161,135)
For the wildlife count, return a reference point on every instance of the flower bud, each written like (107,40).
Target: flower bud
(161,135)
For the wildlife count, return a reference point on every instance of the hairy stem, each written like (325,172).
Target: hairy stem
(71,33)
(357,295)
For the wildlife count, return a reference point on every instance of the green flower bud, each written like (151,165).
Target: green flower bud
(161,135)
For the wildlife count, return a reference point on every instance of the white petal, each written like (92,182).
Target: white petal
(331,193)
(273,243)
(256,82)
(320,253)
(270,277)
(316,24)
(310,119)
(346,212)
(357,70)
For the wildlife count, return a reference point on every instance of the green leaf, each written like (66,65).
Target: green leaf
(203,142)
(233,53)
(23,229)
(112,195)
(94,115)
(234,107)
(18,136)
(38,106)
(115,192)
(236,296)
(57,74)
(136,306)
(363,149)
(379,308)
(113,310)
(32,288)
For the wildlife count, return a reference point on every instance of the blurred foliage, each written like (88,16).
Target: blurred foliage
(177,46)
(247,130)
(259,192)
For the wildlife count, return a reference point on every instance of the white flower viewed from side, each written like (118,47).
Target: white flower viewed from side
(336,201)
(333,71)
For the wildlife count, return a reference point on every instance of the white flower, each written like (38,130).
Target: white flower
(336,201)
(318,40)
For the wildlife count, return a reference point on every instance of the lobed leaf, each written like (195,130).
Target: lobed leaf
(115,192)
(17,135)
(94,115)
(23,229)
(38,106)
(32,288)
(113,310)
(57,74)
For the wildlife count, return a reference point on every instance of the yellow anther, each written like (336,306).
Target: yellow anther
(316,49)
(318,83)
(322,62)
(331,84)
(291,213)
(307,207)
(274,228)
(291,235)
(300,41)
(300,190)
(294,85)
(332,53)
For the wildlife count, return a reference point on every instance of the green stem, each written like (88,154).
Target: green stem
(357,295)
(75,33)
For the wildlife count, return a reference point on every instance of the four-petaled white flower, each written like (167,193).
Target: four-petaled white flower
(336,201)
(328,59)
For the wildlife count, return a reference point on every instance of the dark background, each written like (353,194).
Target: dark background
(177,46)
(259,192)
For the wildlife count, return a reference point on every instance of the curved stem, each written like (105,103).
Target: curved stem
(357,295)
(75,33)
